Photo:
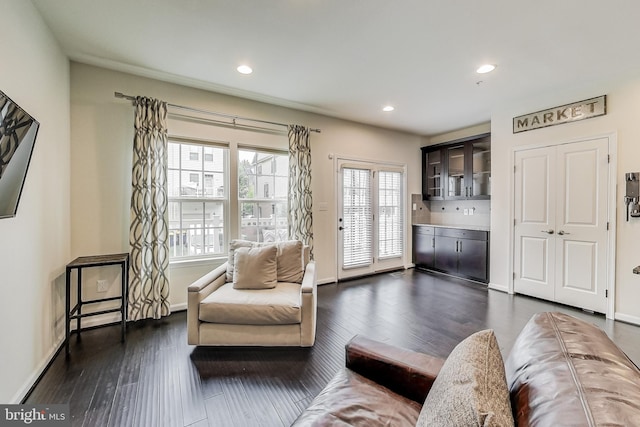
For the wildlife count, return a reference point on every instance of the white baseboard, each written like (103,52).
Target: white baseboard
(627,318)
(327,281)
(500,288)
(22,392)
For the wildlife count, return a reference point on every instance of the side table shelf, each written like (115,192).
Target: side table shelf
(75,313)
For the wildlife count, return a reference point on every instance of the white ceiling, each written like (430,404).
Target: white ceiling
(349,58)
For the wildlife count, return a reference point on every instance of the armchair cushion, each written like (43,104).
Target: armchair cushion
(255,268)
(471,388)
(277,306)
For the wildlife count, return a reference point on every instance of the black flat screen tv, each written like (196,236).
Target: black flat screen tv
(18,131)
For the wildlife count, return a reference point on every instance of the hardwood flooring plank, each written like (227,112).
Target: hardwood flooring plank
(156,379)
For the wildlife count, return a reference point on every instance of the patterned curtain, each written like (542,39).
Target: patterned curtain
(300,200)
(148,235)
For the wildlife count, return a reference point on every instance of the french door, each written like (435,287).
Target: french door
(370,218)
(561,231)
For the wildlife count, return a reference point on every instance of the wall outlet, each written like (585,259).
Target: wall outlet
(466,211)
(102,285)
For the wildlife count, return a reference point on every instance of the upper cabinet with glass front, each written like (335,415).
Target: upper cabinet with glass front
(458,169)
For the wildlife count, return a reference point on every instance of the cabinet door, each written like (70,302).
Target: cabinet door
(473,259)
(446,257)
(432,174)
(423,246)
(456,187)
(479,168)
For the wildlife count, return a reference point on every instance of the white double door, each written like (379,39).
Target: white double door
(370,218)
(561,220)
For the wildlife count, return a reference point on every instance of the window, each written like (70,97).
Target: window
(197,177)
(263,184)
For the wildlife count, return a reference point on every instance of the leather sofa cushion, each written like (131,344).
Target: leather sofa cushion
(353,400)
(277,306)
(565,371)
(471,388)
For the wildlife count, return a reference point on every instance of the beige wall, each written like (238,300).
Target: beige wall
(35,244)
(101,137)
(622,122)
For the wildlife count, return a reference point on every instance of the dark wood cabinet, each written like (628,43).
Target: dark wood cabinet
(459,252)
(459,169)
(423,246)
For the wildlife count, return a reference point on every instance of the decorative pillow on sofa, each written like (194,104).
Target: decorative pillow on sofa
(290,261)
(233,245)
(255,268)
(471,388)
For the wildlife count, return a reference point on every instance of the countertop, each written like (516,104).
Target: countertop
(461,227)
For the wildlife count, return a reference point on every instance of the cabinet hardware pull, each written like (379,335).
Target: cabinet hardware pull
(433,242)
(562,233)
(548,231)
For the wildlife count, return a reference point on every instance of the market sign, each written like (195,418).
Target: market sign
(582,110)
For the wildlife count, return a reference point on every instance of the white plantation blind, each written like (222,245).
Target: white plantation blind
(357,218)
(390,214)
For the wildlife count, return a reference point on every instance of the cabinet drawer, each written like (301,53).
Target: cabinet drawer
(422,229)
(462,234)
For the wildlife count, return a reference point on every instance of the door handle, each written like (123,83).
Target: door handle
(548,231)
(562,233)
(340,228)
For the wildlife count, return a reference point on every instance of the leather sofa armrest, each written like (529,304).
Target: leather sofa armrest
(208,278)
(406,372)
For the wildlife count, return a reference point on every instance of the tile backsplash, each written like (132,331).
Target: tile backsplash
(451,212)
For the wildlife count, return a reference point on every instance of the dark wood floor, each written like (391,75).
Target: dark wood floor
(156,379)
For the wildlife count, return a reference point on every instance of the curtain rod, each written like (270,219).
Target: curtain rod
(196,110)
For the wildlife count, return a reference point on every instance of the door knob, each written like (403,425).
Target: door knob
(340,228)
(548,231)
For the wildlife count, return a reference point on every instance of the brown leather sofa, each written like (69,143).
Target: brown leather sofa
(561,371)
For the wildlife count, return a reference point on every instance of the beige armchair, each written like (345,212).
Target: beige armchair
(220,312)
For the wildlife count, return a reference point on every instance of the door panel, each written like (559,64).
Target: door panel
(446,258)
(560,236)
(534,259)
(582,226)
(370,218)
(534,251)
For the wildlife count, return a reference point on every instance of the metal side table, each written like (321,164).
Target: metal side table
(75,313)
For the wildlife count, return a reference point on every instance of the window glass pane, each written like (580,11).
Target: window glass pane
(173,183)
(262,179)
(196,228)
(281,187)
(173,155)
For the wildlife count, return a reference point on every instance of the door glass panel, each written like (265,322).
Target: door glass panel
(357,218)
(434,169)
(390,214)
(481,169)
(456,171)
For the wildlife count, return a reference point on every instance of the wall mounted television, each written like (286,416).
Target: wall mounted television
(18,131)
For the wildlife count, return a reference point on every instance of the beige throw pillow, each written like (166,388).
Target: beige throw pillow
(471,388)
(255,268)
(233,245)
(290,261)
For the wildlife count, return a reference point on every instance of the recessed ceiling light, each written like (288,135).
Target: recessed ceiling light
(244,69)
(388,108)
(486,68)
